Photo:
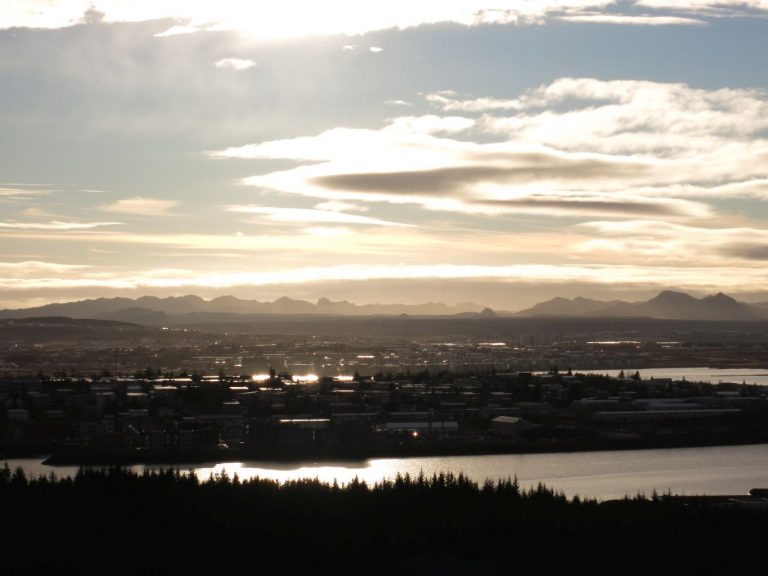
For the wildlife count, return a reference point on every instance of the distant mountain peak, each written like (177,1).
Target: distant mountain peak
(560,306)
(721,297)
(672,296)
(154,310)
(187,298)
(668,304)
(286,299)
(227,298)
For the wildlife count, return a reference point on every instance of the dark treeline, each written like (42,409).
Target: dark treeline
(117,521)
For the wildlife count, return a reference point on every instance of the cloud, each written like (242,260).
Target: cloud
(40,213)
(448,100)
(309,216)
(624,116)
(237,64)
(375,49)
(371,240)
(628,150)
(296,18)
(370,243)
(625,206)
(35,267)
(431,124)
(21,193)
(407,163)
(397,103)
(713,6)
(756,189)
(634,20)
(460,179)
(577,148)
(693,277)
(327,231)
(747,250)
(55,225)
(177,31)
(703,136)
(93,16)
(337,206)
(675,242)
(141,206)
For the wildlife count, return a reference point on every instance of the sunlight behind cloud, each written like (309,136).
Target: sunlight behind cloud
(309,216)
(577,147)
(297,18)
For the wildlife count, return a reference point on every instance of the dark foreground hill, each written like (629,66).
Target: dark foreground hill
(48,329)
(118,522)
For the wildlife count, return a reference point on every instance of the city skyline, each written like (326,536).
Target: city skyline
(501,153)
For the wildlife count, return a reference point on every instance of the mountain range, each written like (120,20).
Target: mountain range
(175,309)
(151,310)
(668,305)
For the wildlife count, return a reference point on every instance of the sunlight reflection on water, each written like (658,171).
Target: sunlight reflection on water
(609,474)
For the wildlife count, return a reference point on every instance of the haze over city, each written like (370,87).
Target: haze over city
(447,152)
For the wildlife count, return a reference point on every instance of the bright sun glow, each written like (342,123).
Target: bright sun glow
(289,18)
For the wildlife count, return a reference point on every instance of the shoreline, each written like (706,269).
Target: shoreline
(319,454)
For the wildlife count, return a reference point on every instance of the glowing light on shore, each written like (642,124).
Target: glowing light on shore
(305,378)
(260,377)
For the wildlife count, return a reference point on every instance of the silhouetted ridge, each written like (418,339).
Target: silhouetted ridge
(667,305)
(154,310)
(564,307)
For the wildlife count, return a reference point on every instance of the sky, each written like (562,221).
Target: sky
(426,151)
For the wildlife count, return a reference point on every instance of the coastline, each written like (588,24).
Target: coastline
(415,450)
